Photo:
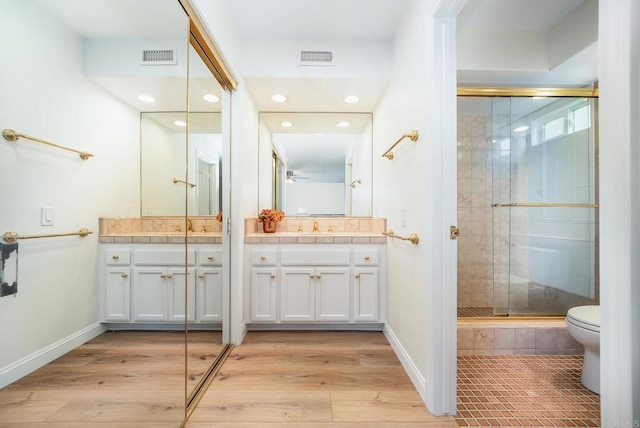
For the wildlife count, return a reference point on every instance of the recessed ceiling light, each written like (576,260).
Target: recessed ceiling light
(278,98)
(146,98)
(210,98)
(343,124)
(351,99)
(180,123)
(521,129)
(286,124)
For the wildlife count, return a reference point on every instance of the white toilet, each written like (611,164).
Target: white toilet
(583,324)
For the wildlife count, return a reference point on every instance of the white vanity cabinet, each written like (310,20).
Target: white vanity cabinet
(159,295)
(209,286)
(330,284)
(145,283)
(263,289)
(115,301)
(366,286)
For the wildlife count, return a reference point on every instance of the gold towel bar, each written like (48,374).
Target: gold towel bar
(176,181)
(413,136)
(13,236)
(11,135)
(413,238)
(541,204)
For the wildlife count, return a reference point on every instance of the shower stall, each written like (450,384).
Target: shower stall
(527,202)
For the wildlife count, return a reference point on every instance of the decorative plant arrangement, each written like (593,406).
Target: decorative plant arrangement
(269,217)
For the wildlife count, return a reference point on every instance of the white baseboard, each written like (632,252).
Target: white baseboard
(414,374)
(30,363)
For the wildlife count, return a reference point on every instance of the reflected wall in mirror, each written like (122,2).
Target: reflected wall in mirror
(163,152)
(316,163)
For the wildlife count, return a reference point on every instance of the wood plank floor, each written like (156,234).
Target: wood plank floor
(313,379)
(119,379)
(274,379)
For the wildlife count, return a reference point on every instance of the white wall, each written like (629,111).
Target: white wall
(47,96)
(619,73)
(315,198)
(164,155)
(418,311)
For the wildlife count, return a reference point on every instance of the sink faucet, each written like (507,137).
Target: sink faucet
(315,225)
(189,225)
(178,228)
(300,228)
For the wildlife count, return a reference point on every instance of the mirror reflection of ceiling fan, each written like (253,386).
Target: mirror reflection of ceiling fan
(292,176)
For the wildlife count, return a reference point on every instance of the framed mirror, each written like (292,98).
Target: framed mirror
(316,164)
(163,153)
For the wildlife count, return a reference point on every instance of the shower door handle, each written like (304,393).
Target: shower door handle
(454,232)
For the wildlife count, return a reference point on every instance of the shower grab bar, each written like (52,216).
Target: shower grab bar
(11,135)
(13,236)
(413,238)
(413,136)
(176,181)
(542,204)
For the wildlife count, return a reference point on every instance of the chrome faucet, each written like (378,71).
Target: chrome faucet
(315,226)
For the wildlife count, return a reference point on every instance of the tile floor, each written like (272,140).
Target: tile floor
(475,312)
(524,391)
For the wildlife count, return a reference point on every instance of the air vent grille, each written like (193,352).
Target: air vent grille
(316,58)
(158,57)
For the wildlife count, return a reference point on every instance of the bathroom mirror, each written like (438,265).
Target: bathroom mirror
(162,159)
(316,163)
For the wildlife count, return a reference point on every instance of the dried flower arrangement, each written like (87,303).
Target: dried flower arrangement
(269,214)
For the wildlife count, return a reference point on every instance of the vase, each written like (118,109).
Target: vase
(269,226)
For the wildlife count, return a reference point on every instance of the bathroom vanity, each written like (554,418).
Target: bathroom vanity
(142,274)
(315,279)
(145,283)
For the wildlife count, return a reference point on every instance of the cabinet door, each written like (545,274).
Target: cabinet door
(263,294)
(209,295)
(365,294)
(176,283)
(150,294)
(117,298)
(297,294)
(333,294)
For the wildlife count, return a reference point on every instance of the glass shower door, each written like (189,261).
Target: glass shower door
(545,205)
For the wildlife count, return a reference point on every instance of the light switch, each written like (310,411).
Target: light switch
(47,216)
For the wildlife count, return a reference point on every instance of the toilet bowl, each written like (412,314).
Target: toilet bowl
(583,324)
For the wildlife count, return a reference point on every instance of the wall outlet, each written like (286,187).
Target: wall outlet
(47,216)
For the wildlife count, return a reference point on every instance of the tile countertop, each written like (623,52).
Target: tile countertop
(161,238)
(315,238)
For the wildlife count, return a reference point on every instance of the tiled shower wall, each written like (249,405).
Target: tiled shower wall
(475,244)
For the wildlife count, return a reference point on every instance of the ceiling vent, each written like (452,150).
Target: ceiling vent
(315,58)
(159,57)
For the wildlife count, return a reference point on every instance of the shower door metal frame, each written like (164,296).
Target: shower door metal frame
(493,92)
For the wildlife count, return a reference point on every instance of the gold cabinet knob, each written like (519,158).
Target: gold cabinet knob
(169,275)
(201,275)
(124,275)
(163,275)
(210,257)
(273,276)
(358,275)
(367,258)
(318,276)
(115,257)
(263,258)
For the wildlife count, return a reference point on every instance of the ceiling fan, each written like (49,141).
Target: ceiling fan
(292,177)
